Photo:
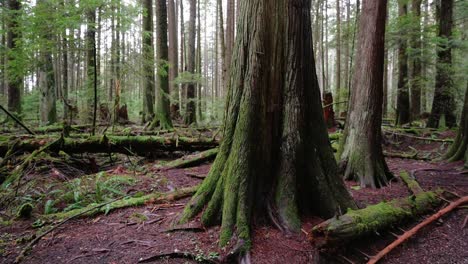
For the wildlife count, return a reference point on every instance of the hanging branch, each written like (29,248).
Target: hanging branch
(16,120)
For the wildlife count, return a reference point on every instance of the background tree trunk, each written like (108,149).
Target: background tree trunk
(416,78)
(338,57)
(90,62)
(173,58)
(148,62)
(190,114)
(14,79)
(443,103)
(403,101)
(458,150)
(162,116)
(362,158)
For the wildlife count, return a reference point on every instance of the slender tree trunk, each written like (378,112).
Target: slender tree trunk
(199,65)
(190,114)
(222,43)
(14,79)
(443,103)
(148,62)
(361,149)
(162,116)
(275,159)
(65,71)
(416,78)
(173,58)
(403,100)
(183,56)
(348,37)
(91,64)
(338,56)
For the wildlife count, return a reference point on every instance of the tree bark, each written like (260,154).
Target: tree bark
(91,64)
(338,56)
(443,103)
(361,153)
(403,100)
(190,114)
(162,117)
(148,62)
(275,158)
(230,25)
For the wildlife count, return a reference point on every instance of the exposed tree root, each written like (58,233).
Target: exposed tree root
(357,223)
(408,234)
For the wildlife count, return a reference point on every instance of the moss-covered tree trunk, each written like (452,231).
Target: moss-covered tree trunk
(416,43)
(190,114)
(91,63)
(361,150)
(443,103)
(403,97)
(173,58)
(162,117)
(458,150)
(275,159)
(148,62)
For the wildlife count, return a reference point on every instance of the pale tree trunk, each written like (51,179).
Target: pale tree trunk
(416,78)
(403,100)
(338,56)
(443,103)
(222,44)
(199,65)
(275,159)
(362,158)
(183,55)
(65,71)
(190,114)
(148,62)
(348,37)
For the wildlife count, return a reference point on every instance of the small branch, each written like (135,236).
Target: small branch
(16,120)
(408,234)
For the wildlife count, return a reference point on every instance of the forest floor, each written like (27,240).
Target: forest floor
(130,235)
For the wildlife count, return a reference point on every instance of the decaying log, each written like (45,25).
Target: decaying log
(192,160)
(358,223)
(140,145)
(418,227)
(412,184)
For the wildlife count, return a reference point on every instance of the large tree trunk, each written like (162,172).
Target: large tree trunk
(190,114)
(162,116)
(173,58)
(361,150)
(443,103)
(416,77)
(14,78)
(275,158)
(458,150)
(230,25)
(148,62)
(47,84)
(403,101)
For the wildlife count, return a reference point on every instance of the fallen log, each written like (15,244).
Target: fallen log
(358,223)
(413,155)
(412,184)
(418,227)
(192,160)
(448,140)
(154,198)
(140,145)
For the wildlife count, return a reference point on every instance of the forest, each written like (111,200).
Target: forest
(233,131)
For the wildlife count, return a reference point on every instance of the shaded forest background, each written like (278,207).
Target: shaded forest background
(47,67)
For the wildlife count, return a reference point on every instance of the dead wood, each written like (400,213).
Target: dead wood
(408,234)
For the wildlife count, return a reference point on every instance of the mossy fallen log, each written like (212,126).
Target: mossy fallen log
(358,223)
(192,160)
(140,145)
(154,198)
(412,184)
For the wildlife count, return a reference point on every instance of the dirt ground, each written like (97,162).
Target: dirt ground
(121,238)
